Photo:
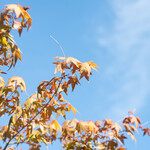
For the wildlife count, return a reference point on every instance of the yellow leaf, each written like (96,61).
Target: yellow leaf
(19,82)
(93,65)
(4,41)
(56,125)
(73,109)
(30,100)
(17,53)
(44,140)
(25,13)
(2,82)
(73,122)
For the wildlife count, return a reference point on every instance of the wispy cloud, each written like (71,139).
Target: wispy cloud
(128,42)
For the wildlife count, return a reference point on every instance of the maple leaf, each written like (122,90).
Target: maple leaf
(84,74)
(73,60)
(19,81)
(17,54)
(122,137)
(59,67)
(133,120)
(117,127)
(73,81)
(56,125)
(133,128)
(73,122)
(31,122)
(93,65)
(80,126)
(132,136)
(15,8)
(70,107)
(138,119)
(30,100)
(85,67)
(26,15)
(98,123)
(108,122)
(146,131)
(17,25)
(69,59)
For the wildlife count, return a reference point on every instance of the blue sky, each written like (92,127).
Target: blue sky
(114,34)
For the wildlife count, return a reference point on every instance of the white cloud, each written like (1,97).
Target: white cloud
(129,45)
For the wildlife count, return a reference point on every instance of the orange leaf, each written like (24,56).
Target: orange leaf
(93,65)
(138,119)
(25,13)
(121,148)
(73,109)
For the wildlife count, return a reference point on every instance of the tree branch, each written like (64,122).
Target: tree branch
(33,117)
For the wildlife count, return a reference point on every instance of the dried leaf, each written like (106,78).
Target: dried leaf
(24,12)
(56,125)
(19,82)
(132,136)
(70,107)
(15,8)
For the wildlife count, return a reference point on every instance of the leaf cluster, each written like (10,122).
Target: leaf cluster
(36,120)
(11,17)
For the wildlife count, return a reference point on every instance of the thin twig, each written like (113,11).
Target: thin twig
(58,44)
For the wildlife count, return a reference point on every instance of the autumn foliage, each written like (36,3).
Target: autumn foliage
(36,120)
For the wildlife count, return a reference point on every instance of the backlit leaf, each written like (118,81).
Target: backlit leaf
(132,136)
(56,125)
(70,107)
(15,8)
(24,12)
